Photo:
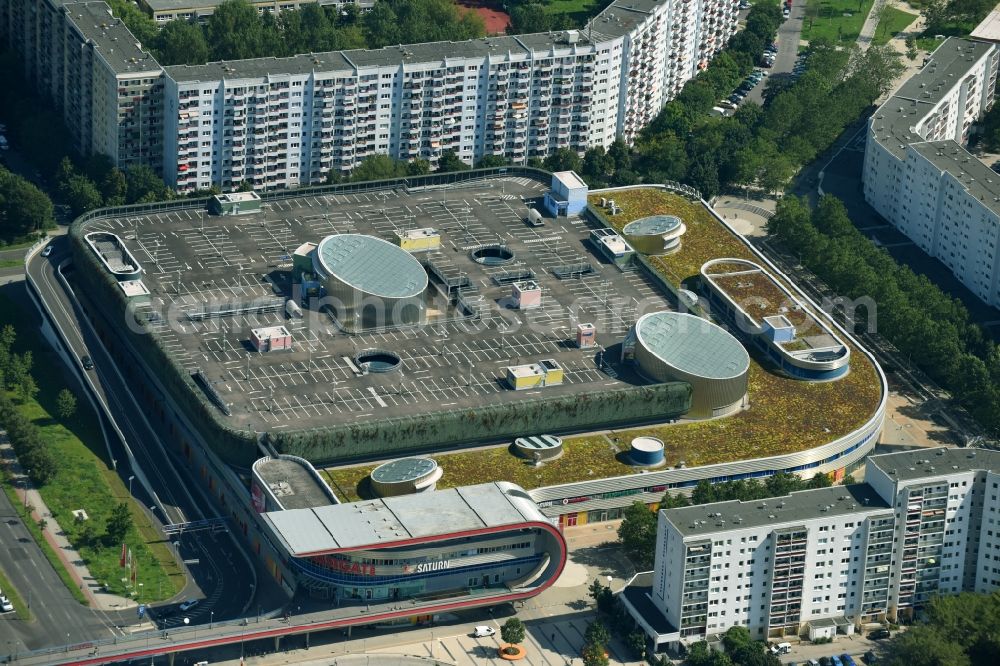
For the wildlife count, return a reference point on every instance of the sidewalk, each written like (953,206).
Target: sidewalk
(28,496)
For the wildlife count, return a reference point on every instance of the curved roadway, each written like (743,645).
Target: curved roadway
(218,572)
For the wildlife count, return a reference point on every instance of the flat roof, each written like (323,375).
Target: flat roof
(269,331)
(383,522)
(133,288)
(372,265)
(692,344)
(920,463)
(893,123)
(989,27)
(788,510)
(110,37)
(569,179)
(294,486)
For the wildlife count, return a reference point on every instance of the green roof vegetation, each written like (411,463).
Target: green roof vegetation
(785,415)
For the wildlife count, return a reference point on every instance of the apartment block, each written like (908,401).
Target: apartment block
(828,561)
(109,90)
(284,122)
(918,174)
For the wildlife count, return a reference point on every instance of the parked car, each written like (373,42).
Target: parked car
(5,605)
(879,634)
(726,104)
(188,605)
(735,99)
(869,658)
(847,660)
(835,660)
(812,662)
(483,632)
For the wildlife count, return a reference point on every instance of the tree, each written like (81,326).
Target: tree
(563,159)
(24,209)
(491,161)
(636,643)
(118,523)
(181,43)
(449,161)
(236,32)
(65,404)
(925,645)
(512,632)
(594,655)
(674,501)
(80,194)
(597,634)
(142,185)
(637,534)
(377,167)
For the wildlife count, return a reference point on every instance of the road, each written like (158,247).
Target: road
(789,33)
(55,612)
(221,575)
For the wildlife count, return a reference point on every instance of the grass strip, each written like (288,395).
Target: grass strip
(20,609)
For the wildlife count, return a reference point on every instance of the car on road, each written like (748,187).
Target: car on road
(5,605)
(88,363)
(188,605)
(879,634)
(47,251)
(483,632)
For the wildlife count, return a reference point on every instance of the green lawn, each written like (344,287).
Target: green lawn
(783,416)
(85,480)
(47,550)
(894,22)
(579,10)
(826,19)
(11,263)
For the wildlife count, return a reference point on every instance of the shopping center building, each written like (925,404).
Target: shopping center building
(468,546)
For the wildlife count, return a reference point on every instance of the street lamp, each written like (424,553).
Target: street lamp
(130,484)
(211,619)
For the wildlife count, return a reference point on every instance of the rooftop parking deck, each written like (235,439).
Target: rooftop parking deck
(196,262)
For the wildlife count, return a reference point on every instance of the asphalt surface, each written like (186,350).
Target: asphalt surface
(220,576)
(789,33)
(57,616)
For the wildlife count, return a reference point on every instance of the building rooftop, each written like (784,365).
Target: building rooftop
(433,55)
(692,344)
(401,519)
(293,484)
(372,265)
(792,509)
(978,179)
(989,28)
(908,465)
(569,179)
(110,37)
(894,122)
